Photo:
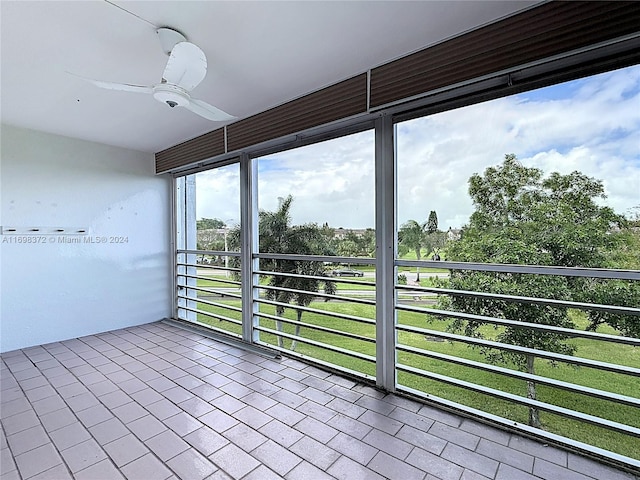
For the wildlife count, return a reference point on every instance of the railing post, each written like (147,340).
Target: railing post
(249,246)
(385,252)
(185,238)
(175,229)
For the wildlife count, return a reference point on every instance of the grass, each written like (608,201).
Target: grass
(589,377)
(215,281)
(340,286)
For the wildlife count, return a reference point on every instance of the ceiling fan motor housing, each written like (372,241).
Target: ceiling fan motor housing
(172,95)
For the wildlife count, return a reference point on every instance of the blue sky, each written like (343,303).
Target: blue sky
(591,125)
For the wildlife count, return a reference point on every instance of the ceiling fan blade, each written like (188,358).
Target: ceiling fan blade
(208,111)
(187,66)
(124,87)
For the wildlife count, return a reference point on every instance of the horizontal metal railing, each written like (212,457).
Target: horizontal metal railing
(594,392)
(211,291)
(217,316)
(603,273)
(464,380)
(332,338)
(558,357)
(317,361)
(326,296)
(569,332)
(565,412)
(322,279)
(323,345)
(334,330)
(342,316)
(213,304)
(318,258)
(191,298)
(201,266)
(219,253)
(530,300)
(209,279)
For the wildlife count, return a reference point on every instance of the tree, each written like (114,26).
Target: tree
(432,222)
(277,235)
(435,239)
(348,246)
(368,243)
(624,255)
(209,223)
(412,236)
(522,218)
(357,244)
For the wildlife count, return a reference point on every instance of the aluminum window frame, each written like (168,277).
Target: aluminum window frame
(383,121)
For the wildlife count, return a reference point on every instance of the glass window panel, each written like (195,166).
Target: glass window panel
(331,182)
(547,177)
(213,216)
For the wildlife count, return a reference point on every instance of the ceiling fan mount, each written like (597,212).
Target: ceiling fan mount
(169,38)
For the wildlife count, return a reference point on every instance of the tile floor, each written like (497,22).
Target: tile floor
(157,402)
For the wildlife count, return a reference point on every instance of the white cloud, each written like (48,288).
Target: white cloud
(591,125)
(331,182)
(218,194)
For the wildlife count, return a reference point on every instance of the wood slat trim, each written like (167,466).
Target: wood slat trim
(197,149)
(338,101)
(550,29)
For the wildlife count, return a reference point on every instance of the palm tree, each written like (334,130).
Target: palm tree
(413,236)
(306,240)
(276,235)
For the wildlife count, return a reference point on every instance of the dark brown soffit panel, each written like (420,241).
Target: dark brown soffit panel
(541,32)
(194,150)
(338,101)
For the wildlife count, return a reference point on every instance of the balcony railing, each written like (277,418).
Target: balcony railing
(586,399)
(204,296)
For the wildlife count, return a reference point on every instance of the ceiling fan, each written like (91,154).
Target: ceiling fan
(186,68)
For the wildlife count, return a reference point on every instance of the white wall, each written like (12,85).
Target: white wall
(53,291)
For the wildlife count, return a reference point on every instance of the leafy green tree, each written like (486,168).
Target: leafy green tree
(349,245)
(209,223)
(329,236)
(368,243)
(357,245)
(412,235)
(436,242)
(435,239)
(625,255)
(210,239)
(522,218)
(277,235)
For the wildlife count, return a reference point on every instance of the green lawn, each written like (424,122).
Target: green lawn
(368,281)
(603,438)
(215,281)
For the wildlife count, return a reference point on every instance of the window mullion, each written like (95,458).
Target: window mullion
(249,246)
(385,252)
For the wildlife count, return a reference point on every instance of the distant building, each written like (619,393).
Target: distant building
(454,234)
(341,233)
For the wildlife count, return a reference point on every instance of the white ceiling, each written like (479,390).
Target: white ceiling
(260,54)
